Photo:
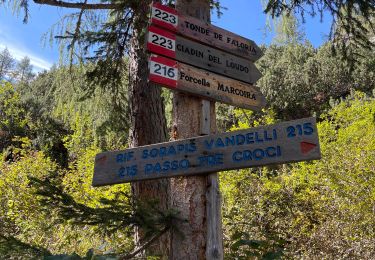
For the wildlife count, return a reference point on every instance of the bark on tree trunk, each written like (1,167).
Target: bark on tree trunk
(188,194)
(148,123)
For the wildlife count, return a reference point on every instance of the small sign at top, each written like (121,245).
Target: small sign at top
(190,27)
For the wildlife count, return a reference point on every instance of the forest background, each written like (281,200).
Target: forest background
(52,125)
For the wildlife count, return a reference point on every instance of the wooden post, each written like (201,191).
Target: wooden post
(214,246)
(195,197)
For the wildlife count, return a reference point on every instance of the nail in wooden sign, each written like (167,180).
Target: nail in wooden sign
(182,77)
(285,142)
(193,28)
(184,50)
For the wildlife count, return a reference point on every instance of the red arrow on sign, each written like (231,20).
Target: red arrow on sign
(307,147)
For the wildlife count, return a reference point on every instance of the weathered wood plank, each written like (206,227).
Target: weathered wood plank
(207,33)
(214,227)
(199,55)
(284,142)
(205,118)
(182,77)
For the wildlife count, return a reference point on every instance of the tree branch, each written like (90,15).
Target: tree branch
(75,36)
(78,5)
(145,245)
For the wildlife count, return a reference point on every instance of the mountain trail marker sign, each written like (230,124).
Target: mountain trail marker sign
(182,77)
(190,27)
(284,142)
(187,51)
(185,63)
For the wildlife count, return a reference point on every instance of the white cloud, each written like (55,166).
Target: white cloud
(38,63)
(19,51)
(13,38)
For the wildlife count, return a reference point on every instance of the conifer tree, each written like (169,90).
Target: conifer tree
(23,72)
(353,21)
(6,63)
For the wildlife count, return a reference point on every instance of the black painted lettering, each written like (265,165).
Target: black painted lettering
(218,36)
(235,91)
(188,78)
(197,28)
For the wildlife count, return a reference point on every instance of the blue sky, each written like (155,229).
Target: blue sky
(244,17)
(25,39)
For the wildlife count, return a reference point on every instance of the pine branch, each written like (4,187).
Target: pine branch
(352,22)
(76,36)
(145,245)
(115,214)
(79,5)
(10,245)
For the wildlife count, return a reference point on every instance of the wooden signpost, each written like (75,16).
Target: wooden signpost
(209,34)
(204,60)
(182,77)
(284,142)
(187,51)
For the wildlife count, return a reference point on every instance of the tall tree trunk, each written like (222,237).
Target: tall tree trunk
(148,123)
(188,194)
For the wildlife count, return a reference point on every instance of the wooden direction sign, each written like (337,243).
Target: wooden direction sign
(193,53)
(284,142)
(179,76)
(193,28)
